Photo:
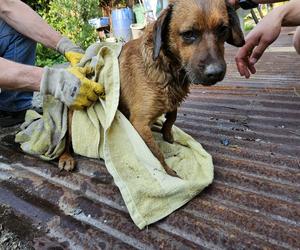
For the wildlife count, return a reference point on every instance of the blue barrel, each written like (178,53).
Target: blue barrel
(104,21)
(121,21)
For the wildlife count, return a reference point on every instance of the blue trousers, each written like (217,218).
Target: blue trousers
(18,48)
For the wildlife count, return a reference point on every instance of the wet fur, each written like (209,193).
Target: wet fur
(157,69)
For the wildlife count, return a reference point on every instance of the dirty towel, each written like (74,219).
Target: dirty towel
(44,135)
(102,131)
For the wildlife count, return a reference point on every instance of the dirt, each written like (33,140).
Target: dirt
(15,232)
(9,240)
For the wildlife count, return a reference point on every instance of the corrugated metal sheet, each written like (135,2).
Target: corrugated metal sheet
(253,203)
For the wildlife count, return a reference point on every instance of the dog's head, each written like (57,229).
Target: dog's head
(193,33)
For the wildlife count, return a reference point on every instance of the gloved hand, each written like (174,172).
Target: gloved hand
(71,51)
(71,86)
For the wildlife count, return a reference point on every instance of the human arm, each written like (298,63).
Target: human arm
(236,2)
(267,1)
(69,85)
(296,40)
(27,22)
(264,34)
(16,76)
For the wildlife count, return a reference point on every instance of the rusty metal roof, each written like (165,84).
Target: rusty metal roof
(253,203)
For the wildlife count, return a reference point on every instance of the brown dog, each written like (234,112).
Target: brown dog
(185,45)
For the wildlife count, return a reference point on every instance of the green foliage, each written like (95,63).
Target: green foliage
(47,57)
(69,17)
(41,6)
(119,3)
(249,26)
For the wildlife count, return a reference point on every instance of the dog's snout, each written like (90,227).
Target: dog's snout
(214,72)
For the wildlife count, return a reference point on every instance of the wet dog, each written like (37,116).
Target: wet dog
(184,46)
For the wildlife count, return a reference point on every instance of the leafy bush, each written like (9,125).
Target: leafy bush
(41,6)
(47,57)
(70,18)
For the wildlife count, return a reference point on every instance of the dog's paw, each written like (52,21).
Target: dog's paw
(168,137)
(66,162)
(171,172)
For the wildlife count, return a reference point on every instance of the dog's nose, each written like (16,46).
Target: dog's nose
(214,72)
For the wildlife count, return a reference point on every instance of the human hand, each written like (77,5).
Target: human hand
(71,51)
(257,41)
(296,40)
(71,86)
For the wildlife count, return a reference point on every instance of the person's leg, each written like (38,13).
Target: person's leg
(18,48)
(296,40)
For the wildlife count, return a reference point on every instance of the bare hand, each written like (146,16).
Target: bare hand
(257,41)
(296,40)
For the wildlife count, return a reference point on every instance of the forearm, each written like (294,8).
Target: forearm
(15,76)
(235,3)
(267,1)
(23,19)
(290,13)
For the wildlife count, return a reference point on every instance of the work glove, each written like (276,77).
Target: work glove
(71,86)
(71,51)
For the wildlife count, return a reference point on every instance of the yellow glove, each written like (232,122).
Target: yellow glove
(71,51)
(73,57)
(89,91)
(71,86)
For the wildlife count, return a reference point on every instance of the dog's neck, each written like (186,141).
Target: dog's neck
(170,71)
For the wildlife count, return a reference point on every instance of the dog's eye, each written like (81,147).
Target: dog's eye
(190,36)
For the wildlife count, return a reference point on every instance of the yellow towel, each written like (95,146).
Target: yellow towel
(44,135)
(102,131)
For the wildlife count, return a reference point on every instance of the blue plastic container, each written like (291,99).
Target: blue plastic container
(121,21)
(99,22)
(104,21)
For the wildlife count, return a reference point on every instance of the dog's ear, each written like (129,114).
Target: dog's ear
(236,36)
(160,29)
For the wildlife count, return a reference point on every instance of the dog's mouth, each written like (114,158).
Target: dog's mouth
(207,75)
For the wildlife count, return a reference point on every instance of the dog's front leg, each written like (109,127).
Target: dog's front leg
(145,132)
(66,161)
(167,126)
